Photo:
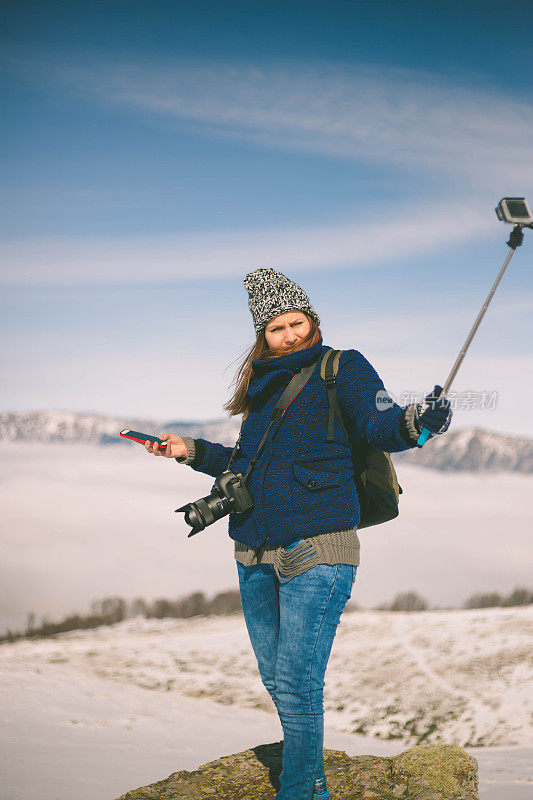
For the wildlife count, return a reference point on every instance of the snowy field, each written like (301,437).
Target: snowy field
(82,521)
(92,714)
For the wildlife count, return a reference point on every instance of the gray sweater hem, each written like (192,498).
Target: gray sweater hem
(336,547)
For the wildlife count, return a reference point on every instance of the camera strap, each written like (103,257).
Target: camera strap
(292,391)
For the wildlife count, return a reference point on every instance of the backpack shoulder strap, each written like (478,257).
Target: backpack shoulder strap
(332,357)
(328,372)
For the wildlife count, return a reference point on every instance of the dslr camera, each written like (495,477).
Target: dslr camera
(229,494)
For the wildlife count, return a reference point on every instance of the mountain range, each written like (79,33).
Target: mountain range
(472,449)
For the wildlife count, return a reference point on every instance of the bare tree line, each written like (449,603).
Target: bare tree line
(411,601)
(110,610)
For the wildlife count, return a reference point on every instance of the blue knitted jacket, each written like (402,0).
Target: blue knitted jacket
(302,485)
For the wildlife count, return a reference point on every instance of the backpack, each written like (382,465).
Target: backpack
(375,478)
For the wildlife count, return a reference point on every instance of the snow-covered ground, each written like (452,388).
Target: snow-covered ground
(93,713)
(83,521)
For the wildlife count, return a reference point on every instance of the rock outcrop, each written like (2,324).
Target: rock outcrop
(432,772)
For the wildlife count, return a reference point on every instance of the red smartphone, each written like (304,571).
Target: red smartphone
(142,437)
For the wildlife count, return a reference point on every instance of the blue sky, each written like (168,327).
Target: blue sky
(153,153)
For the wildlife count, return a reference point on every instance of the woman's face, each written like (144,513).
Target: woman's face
(287,329)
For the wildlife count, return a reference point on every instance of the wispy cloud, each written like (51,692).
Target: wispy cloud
(110,260)
(412,119)
(406,330)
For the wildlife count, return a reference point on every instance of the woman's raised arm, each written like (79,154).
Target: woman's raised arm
(360,390)
(203,456)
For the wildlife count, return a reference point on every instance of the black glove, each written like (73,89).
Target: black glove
(434,413)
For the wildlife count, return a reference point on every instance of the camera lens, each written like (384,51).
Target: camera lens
(194,518)
(206,511)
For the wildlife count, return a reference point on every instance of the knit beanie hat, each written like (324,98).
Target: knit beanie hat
(270,293)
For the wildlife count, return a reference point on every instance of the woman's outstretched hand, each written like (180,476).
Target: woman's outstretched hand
(434,413)
(175,448)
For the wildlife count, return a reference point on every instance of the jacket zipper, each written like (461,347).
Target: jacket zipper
(271,445)
(263,491)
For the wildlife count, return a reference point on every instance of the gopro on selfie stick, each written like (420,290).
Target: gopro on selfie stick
(515,211)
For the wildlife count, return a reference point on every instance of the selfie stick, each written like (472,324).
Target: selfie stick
(505,214)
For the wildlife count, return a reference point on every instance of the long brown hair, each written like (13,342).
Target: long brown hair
(238,404)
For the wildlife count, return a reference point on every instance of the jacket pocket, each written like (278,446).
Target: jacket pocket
(316,476)
(318,496)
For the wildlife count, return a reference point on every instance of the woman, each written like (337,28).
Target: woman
(297,549)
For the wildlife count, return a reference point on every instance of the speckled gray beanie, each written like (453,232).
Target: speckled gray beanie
(270,293)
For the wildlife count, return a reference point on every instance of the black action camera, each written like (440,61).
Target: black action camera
(228,495)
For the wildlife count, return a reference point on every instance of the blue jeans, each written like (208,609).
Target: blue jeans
(291,626)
